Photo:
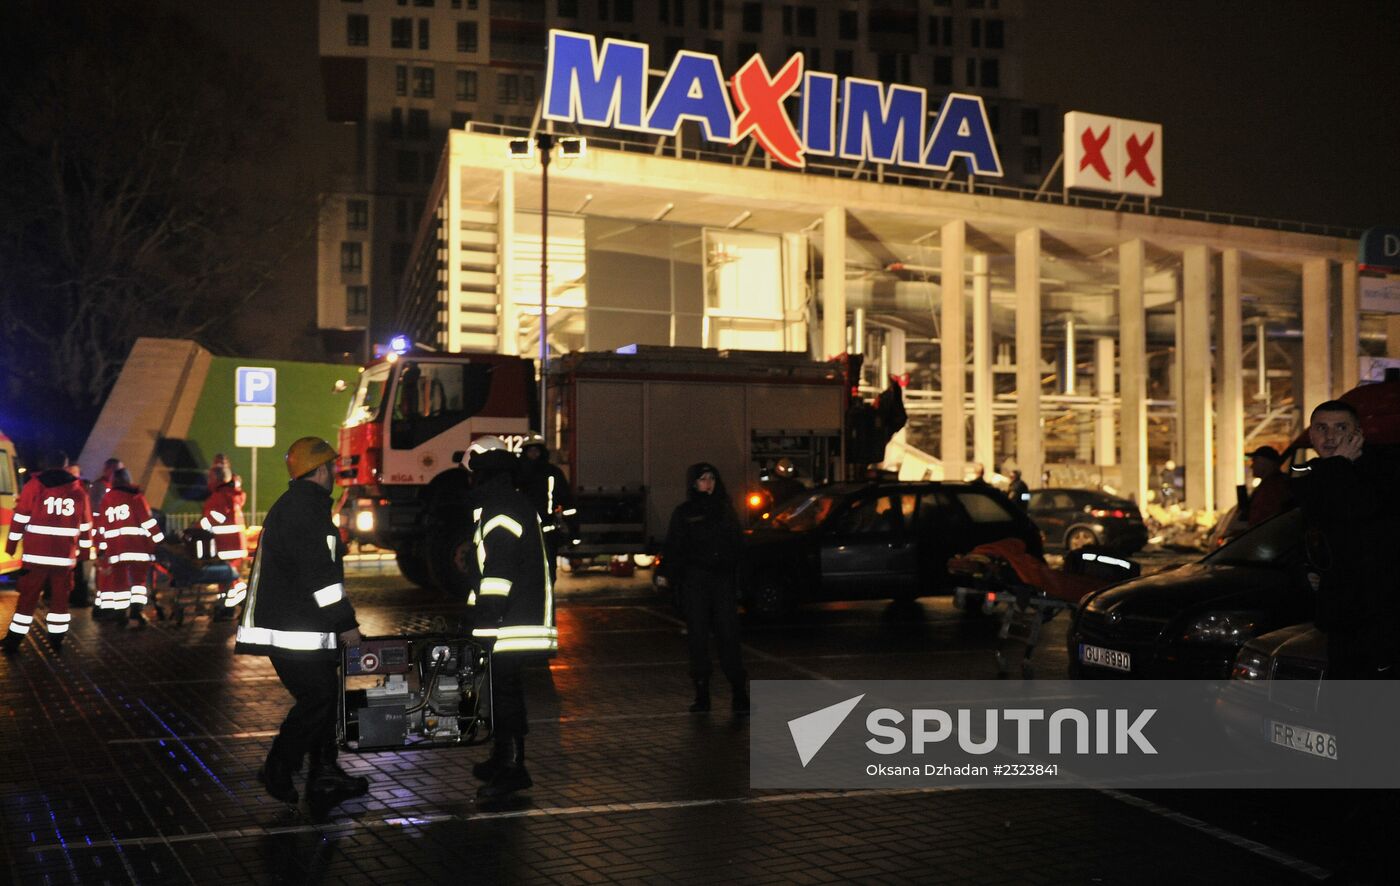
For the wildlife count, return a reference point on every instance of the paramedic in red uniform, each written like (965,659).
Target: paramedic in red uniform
(223,516)
(54,520)
(128,536)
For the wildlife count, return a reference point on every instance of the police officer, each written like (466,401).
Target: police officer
(548,490)
(296,611)
(513,607)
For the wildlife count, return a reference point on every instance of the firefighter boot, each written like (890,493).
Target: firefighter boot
(56,643)
(134,618)
(702,697)
(11,643)
(487,769)
(326,780)
(511,776)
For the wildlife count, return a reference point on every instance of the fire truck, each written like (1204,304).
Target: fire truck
(9,497)
(623,426)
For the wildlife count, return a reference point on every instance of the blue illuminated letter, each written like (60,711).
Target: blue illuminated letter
(581,87)
(962,131)
(819,112)
(693,90)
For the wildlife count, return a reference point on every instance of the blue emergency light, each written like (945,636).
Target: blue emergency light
(400,344)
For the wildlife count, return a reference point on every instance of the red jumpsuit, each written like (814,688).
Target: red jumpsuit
(128,536)
(53,519)
(223,516)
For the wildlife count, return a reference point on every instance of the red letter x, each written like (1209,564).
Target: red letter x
(759,99)
(1093,152)
(1137,159)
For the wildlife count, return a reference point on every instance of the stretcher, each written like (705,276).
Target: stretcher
(1027,593)
(414,691)
(188,585)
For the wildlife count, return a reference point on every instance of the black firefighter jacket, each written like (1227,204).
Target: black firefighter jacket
(296,598)
(514,602)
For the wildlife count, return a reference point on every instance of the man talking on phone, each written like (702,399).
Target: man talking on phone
(1352,515)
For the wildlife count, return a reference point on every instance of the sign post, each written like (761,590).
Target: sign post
(255,415)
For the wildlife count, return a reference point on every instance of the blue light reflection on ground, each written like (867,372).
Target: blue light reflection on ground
(189,750)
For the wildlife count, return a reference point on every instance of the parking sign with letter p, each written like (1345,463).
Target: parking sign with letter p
(255,386)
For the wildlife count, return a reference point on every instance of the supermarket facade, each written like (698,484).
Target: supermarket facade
(1152,335)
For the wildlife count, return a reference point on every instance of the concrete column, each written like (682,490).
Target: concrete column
(983,428)
(833,282)
(1317,349)
(508,337)
(1105,440)
(1349,333)
(451,323)
(895,347)
(1194,402)
(1392,336)
(953,350)
(1030,440)
(1229,387)
(1132,379)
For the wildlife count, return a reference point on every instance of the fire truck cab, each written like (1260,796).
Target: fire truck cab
(410,413)
(9,497)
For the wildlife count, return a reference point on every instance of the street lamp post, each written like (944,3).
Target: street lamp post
(570,148)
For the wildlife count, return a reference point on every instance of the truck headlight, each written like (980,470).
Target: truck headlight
(1222,627)
(364,521)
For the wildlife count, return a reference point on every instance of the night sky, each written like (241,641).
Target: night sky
(1277,108)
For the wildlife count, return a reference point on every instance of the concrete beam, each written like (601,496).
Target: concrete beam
(1229,382)
(1194,400)
(1030,438)
(1132,379)
(953,350)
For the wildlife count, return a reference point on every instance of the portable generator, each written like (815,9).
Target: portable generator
(418,691)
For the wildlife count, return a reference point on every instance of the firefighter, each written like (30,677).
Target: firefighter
(54,520)
(513,606)
(297,612)
(128,535)
(782,484)
(223,516)
(549,491)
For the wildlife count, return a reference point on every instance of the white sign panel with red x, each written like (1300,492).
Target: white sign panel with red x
(1113,154)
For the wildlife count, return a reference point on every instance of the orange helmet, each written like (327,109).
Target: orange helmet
(308,454)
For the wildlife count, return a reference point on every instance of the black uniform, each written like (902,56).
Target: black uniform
(514,603)
(295,609)
(701,558)
(1349,511)
(549,491)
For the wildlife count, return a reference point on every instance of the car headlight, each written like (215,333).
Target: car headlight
(1222,627)
(1250,664)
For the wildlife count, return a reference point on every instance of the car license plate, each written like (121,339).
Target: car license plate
(1304,740)
(1105,658)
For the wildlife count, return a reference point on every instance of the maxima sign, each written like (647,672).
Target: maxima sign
(872,121)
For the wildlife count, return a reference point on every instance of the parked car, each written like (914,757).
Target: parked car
(1076,518)
(884,540)
(1273,705)
(1189,622)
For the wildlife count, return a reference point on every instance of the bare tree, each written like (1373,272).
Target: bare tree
(125,134)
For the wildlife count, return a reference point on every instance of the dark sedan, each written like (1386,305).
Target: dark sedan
(861,541)
(1189,623)
(1075,518)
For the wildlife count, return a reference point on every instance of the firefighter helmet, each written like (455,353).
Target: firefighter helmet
(534,438)
(308,454)
(489,454)
(784,467)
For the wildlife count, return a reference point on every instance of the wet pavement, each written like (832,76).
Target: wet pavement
(130,758)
